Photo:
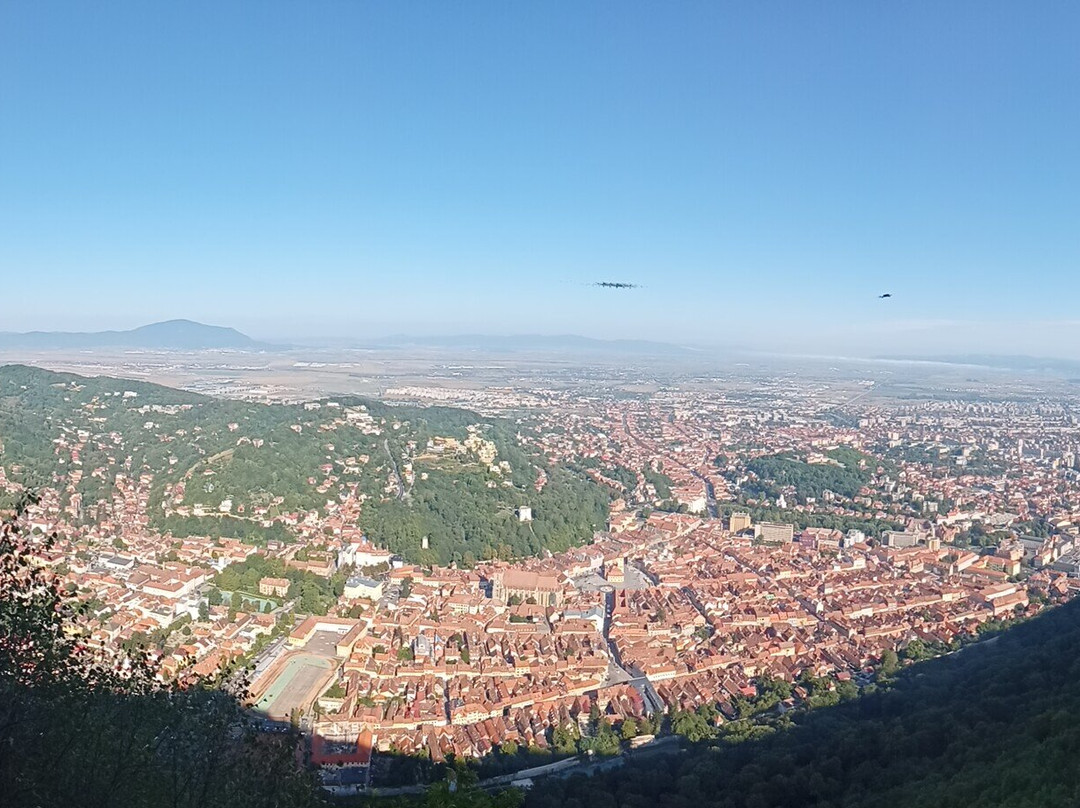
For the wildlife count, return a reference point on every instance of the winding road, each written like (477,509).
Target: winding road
(397,474)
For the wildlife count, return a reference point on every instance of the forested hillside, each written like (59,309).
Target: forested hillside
(842,471)
(254,471)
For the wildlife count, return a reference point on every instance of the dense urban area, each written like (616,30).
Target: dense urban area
(539,579)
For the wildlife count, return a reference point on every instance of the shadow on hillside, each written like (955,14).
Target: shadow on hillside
(992,724)
(64,745)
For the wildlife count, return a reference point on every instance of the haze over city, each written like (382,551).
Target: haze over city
(594,404)
(383,170)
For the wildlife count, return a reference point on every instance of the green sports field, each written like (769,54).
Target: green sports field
(295,687)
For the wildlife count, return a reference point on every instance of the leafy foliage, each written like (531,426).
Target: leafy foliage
(234,469)
(660,481)
(315,594)
(81,728)
(627,478)
(812,479)
(802,519)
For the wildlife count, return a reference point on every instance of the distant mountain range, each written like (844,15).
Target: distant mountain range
(169,335)
(1028,363)
(191,336)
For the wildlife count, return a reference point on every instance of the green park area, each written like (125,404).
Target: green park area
(260,602)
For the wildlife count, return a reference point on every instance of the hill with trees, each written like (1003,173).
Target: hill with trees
(216,467)
(842,471)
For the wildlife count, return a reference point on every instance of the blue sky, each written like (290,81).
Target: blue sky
(349,168)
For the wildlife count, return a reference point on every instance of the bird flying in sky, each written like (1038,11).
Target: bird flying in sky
(887,294)
(616,285)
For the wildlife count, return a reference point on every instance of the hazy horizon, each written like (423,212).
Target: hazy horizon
(358,170)
(841,349)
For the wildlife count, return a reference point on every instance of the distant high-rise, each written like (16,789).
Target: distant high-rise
(900,538)
(852,537)
(739,522)
(773,532)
